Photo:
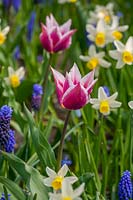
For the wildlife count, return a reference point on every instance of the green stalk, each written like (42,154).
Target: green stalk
(44,84)
(60,149)
(131,141)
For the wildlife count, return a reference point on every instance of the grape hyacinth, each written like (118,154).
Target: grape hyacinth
(3,197)
(36,97)
(125,189)
(7,139)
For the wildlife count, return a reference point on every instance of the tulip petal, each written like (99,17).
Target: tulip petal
(55,35)
(59,81)
(65,27)
(75,97)
(75,74)
(45,39)
(68,82)
(87,80)
(64,42)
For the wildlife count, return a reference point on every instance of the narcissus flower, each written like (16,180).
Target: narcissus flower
(55,38)
(130,104)
(101,12)
(55,179)
(3,33)
(99,34)
(115,30)
(105,103)
(67,192)
(95,59)
(124,53)
(15,77)
(73,91)
(67,1)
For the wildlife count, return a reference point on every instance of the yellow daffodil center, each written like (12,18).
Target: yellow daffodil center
(72,1)
(127,57)
(104,107)
(2,38)
(100,39)
(92,63)
(14,80)
(57,182)
(117,35)
(107,19)
(67,198)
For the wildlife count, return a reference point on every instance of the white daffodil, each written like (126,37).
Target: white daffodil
(67,1)
(101,12)
(115,30)
(3,33)
(105,103)
(130,104)
(67,192)
(55,179)
(99,34)
(15,77)
(124,53)
(95,59)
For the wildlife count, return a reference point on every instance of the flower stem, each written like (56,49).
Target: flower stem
(60,149)
(131,141)
(44,84)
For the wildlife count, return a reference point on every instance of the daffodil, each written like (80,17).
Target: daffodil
(101,12)
(115,30)
(15,77)
(105,103)
(67,1)
(130,104)
(3,34)
(94,59)
(99,34)
(124,53)
(67,192)
(55,179)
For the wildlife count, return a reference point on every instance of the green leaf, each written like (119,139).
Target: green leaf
(13,188)
(42,147)
(29,174)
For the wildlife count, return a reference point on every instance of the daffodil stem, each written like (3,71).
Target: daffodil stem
(131,141)
(60,149)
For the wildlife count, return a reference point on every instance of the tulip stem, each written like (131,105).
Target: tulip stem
(44,84)
(60,149)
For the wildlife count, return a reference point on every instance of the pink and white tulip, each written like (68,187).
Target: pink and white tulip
(73,91)
(56,38)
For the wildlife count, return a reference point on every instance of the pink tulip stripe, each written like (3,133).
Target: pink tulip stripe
(73,92)
(56,38)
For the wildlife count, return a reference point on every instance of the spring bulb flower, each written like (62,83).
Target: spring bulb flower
(105,103)
(67,192)
(125,188)
(67,1)
(73,91)
(101,12)
(15,77)
(55,179)
(99,34)
(115,30)
(30,26)
(3,197)
(3,33)
(36,97)
(94,59)
(124,53)
(55,38)
(7,138)
(130,104)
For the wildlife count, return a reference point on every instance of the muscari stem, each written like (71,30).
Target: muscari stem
(60,149)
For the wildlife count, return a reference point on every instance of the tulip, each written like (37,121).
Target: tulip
(55,38)
(73,91)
